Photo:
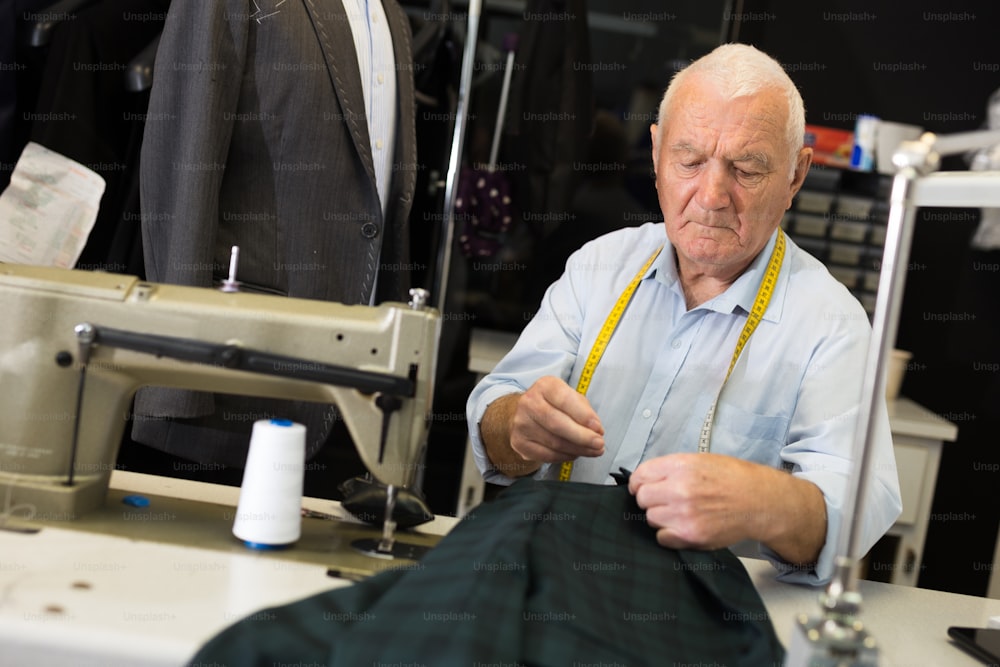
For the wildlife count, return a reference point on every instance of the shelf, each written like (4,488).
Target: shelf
(839,217)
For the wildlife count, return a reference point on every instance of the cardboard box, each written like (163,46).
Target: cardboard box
(831,147)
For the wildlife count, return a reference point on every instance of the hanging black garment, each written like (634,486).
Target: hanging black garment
(551,107)
(85,112)
(437,62)
(20,69)
(548,574)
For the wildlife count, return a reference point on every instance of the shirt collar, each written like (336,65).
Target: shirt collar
(742,293)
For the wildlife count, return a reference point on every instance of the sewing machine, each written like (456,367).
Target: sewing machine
(77,345)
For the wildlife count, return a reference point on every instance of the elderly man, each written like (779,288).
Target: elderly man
(732,380)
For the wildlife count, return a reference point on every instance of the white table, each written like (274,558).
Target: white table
(71,597)
(909,624)
(76,598)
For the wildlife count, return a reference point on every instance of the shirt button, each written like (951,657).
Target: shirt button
(378,144)
(647,413)
(676,344)
(380,78)
(369,230)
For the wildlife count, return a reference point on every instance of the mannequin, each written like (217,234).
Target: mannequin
(266,132)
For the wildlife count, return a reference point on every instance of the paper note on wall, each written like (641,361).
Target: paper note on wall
(48,210)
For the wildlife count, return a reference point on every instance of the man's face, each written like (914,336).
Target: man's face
(724,176)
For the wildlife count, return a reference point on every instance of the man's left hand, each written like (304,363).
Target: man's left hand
(710,501)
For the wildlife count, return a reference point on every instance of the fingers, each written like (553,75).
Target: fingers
(656,470)
(678,528)
(680,525)
(663,488)
(666,537)
(702,501)
(554,423)
(564,400)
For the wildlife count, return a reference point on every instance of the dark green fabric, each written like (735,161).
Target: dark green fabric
(549,573)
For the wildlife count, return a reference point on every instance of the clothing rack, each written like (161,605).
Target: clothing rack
(38,33)
(40,29)
(139,74)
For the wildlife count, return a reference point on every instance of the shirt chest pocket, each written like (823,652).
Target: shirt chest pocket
(748,435)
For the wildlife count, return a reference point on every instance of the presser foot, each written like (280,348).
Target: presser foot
(375,548)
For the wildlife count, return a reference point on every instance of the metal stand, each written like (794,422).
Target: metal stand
(837,636)
(440,286)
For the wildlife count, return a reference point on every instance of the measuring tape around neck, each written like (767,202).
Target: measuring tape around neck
(763,298)
(603,337)
(761,302)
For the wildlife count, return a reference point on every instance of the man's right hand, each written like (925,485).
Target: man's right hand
(549,423)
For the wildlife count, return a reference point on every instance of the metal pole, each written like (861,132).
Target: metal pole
(885,323)
(455,159)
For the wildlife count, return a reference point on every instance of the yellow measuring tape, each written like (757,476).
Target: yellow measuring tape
(603,338)
(753,319)
(763,298)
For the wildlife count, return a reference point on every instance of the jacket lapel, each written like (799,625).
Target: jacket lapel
(404,178)
(337,43)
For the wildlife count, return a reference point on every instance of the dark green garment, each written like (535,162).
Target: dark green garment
(549,573)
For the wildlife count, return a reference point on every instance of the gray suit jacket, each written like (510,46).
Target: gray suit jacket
(256,136)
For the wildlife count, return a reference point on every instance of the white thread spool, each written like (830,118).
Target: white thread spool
(269,514)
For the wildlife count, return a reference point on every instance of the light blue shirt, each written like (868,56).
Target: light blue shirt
(791,401)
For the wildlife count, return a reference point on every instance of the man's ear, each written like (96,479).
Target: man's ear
(802,164)
(654,134)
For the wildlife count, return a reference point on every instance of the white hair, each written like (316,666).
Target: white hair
(738,70)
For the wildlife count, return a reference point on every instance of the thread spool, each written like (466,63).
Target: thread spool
(269,514)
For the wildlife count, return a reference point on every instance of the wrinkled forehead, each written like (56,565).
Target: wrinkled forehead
(700,111)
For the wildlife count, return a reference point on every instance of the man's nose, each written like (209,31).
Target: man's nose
(713,190)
